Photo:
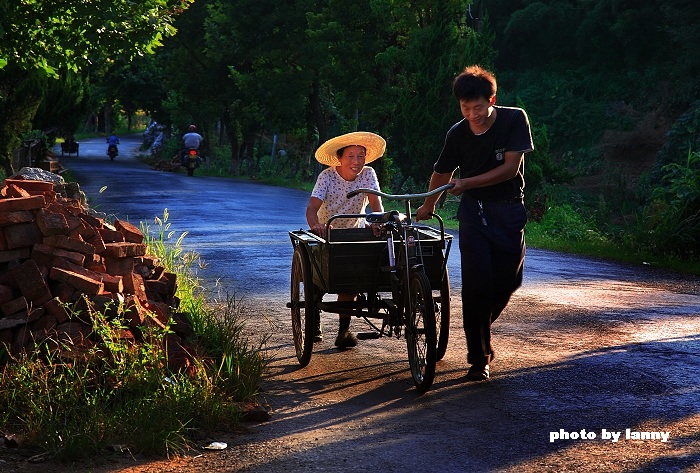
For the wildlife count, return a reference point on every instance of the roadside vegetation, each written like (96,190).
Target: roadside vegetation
(74,400)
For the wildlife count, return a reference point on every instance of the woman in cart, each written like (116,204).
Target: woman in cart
(346,156)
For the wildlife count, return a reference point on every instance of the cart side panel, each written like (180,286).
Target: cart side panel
(352,262)
(355,261)
(430,252)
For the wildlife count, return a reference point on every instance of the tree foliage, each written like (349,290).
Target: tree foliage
(54,34)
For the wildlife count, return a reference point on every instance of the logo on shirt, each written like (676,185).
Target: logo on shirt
(499,154)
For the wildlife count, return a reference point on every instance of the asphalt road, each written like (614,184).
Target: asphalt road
(585,348)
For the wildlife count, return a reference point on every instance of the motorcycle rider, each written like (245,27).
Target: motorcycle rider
(113,140)
(191,139)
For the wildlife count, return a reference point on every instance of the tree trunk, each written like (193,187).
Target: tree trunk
(107,111)
(231,129)
(21,93)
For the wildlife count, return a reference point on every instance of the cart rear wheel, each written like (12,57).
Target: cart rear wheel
(420,332)
(303,305)
(442,316)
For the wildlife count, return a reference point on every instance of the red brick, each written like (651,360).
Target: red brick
(71,244)
(97,242)
(13,192)
(72,220)
(7,324)
(131,232)
(95,263)
(22,203)
(6,336)
(48,254)
(43,324)
(171,280)
(78,281)
(51,223)
(94,222)
(124,249)
(63,292)
(31,185)
(74,206)
(23,235)
(56,308)
(12,218)
(14,306)
(83,231)
(22,340)
(31,283)
(135,314)
(111,283)
(74,333)
(133,284)
(156,286)
(6,294)
(126,335)
(160,310)
(110,236)
(107,304)
(19,254)
(119,266)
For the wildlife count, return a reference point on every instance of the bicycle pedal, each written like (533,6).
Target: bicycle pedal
(367,335)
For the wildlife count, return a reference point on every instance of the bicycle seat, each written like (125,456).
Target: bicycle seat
(384,217)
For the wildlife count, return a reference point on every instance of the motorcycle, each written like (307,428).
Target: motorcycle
(112,151)
(191,160)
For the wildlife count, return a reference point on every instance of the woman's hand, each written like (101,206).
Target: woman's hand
(319,229)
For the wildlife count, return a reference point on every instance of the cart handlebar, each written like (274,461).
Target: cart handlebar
(400,196)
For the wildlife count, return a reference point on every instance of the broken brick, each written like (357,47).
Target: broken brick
(78,281)
(131,232)
(13,218)
(51,223)
(23,235)
(67,243)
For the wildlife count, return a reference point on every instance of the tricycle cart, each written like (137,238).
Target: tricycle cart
(399,277)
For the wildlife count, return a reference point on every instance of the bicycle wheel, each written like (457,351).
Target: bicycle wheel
(442,316)
(420,331)
(303,305)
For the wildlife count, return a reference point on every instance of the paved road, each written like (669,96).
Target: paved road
(584,345)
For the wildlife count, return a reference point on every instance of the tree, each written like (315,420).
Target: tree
(42,38)
(436,46)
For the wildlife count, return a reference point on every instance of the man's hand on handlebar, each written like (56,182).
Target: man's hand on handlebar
(424,212)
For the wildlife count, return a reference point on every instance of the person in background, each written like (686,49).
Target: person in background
(488,146)
(346,157)
(191,139)
(112,140)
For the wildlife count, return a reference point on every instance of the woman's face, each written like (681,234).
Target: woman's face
(351,162)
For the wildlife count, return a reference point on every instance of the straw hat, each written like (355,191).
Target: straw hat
(373,144)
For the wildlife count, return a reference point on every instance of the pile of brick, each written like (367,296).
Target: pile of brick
(59,262)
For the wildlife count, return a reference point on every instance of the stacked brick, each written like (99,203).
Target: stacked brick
(58,260)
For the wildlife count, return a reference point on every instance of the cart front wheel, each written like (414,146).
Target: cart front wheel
(303,306)
(420,332)
(442,316)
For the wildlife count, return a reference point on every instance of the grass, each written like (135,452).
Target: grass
(73,399)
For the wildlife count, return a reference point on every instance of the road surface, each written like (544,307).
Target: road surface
(593,357)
